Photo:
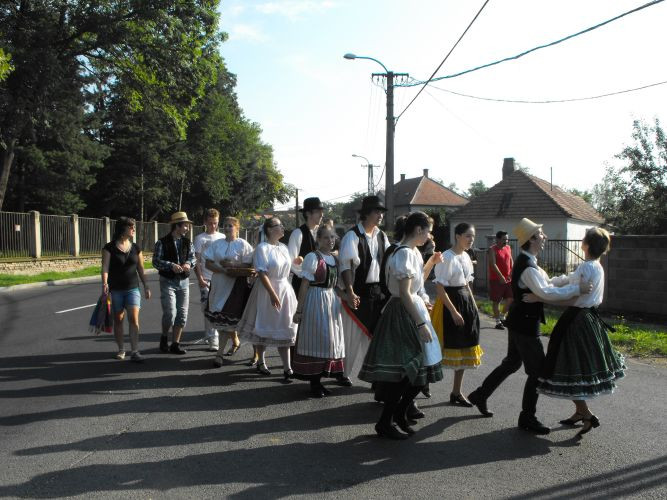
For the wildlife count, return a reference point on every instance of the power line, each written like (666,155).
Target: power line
(551,101)
(443,61)
(454,75)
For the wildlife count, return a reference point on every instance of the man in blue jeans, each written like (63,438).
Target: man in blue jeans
(174,257)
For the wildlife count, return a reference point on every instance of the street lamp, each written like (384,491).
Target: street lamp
(371,183)
(391,127)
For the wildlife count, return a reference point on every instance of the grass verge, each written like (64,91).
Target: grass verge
(631,338)
(22,279)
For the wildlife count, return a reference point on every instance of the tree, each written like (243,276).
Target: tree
(586,195)
(156,54)
(476,188)
(633,197)
(5,64)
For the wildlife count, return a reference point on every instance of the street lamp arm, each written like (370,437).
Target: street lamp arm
(354,56)
(359,156)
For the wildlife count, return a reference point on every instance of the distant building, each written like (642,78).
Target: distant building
(565,216)
(425,194)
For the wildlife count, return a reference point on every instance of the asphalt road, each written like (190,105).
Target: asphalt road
(76,422)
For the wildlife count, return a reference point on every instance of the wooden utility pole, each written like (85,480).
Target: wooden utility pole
(296,210)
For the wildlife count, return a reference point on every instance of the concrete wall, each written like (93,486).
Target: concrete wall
(57,264)
(636,273)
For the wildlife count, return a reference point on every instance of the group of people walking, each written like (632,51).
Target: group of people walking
(363,308)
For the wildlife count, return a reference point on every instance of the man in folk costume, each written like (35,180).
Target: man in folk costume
(361,252)
(523,322)
(174,257)
(302,239)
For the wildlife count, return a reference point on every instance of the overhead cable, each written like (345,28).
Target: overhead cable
(443,61)
(550,101)
(454,75)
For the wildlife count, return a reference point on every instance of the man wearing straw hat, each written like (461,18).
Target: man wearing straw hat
(523,322)
(174,257)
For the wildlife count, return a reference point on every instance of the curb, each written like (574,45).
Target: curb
(68,281)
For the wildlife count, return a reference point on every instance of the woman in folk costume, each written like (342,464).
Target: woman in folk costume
(229,293)
(302,240)
(268,316)
(455,316)
(360,256)
(320,346)
(581,363)
(404,354)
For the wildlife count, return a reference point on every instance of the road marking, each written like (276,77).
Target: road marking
(75,308)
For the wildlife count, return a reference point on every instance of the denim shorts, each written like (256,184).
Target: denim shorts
(122,299)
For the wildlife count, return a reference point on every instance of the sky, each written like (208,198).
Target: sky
(317,109)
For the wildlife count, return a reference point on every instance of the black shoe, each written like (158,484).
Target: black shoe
(176,348)
(459,400)
(317,391)
(589,423)
(414,413)
(389,431)
(572,421)
(426,391)
(480,403)
(344,381)
(530,423)
(164,343)
(499,326)
(404,424)
(287,376)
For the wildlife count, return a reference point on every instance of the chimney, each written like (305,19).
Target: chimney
(508,167)
(402,177)
(426,172)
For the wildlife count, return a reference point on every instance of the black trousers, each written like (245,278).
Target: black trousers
(521,349)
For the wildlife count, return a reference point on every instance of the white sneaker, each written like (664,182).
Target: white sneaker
(213,344)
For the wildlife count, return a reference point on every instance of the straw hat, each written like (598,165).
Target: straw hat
(525,230)
(178,217)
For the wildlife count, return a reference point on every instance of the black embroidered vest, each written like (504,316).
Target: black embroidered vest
(524,318)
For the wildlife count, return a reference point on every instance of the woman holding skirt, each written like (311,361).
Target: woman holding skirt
(455,316)
(404,354)
(320,346)
(267,319)
(229,293)
(581,363)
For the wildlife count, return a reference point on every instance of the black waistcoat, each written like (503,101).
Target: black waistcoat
(365,257)
(169,250)
(524,318)
(307,246)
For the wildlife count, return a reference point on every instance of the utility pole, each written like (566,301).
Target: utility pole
(296,210)
(370,167)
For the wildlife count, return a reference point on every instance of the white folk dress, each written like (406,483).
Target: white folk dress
(225,318)
(261,323)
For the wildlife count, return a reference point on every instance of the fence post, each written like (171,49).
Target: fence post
(74,244)
(36,250)
(107,230)
(155,232)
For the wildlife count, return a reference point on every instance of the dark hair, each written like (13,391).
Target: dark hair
(500,234)
(399,227)
(267,224)
(415,220)
(121,224)
(177,224)
(462,228)
(598,241)
(526,245)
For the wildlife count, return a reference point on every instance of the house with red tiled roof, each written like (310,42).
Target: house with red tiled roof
(425,194)
(565,216)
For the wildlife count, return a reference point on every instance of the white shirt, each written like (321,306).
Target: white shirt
(547,289)
(589,270)
(454,270)
(294,245)
(201,243)
(349,252)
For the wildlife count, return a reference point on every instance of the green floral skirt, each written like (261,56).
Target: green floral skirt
(395,352)
(581,362)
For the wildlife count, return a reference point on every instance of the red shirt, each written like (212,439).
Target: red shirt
(503,261)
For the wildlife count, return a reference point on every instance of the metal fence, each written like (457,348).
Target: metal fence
(16,235)
(92,236)
(56,235)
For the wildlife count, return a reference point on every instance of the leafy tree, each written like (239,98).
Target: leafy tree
(5,64)
(633,197)
(155,53)
(586,195)
(476,188)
